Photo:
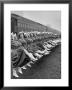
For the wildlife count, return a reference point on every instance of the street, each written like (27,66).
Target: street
(48,67)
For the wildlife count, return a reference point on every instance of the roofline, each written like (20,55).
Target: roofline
(27,19)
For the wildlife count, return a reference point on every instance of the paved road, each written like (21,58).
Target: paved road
(49,67)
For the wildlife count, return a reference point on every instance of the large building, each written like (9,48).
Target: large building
(19,23)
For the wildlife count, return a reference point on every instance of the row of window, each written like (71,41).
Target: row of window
(29,26)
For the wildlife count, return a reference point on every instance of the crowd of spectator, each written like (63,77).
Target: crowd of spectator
(28,47)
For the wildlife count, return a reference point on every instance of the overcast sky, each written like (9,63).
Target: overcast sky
(49,18)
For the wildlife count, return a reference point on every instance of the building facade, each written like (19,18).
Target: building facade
(19,23)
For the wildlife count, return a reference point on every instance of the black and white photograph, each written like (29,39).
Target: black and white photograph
(36,44)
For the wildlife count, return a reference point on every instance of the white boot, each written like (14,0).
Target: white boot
(28,64)
(46,48)
(31,62)
(24,67)
(20,70)
(38,55)
(41,52)
(47,52)
(15,73)
(30,55)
